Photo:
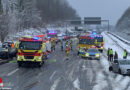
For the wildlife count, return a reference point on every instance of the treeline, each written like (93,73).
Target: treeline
(55,10)
(17,15)
(124,22)
(40,12)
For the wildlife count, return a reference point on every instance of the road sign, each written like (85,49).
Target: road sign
(92,20)
(76,21)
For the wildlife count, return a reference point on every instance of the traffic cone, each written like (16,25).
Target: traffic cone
(1,83)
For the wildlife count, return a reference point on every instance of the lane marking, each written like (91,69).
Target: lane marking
(12,72)
(52,75)
(53,87)
(76,84)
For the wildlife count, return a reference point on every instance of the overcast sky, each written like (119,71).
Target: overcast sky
(107,9)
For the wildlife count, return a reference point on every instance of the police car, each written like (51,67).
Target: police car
(92,53)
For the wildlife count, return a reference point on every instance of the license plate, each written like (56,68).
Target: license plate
(29,59)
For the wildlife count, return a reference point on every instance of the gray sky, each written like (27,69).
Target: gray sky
(107,9)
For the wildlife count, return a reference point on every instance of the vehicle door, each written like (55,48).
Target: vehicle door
(115,66)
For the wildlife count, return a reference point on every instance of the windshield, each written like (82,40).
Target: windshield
(92,51)
(30,45)
(99,39)
(124,62)
(51,36)
(86,41)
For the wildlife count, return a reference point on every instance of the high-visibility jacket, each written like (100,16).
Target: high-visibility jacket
(66,43)
(12,45)
(111,52)
(125,54)
(61,43)
(16,44)
(108,52)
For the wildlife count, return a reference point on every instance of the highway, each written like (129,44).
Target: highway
(59,74)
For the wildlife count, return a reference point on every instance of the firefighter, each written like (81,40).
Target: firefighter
(52,45)
(115,56)
(111,55)
(67,42)
(71,44)
(125,54)
(67,50)
(61,45)
(16,44)
(108,54)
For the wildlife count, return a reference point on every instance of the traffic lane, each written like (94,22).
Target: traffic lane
(7,68)
(65,72)
(112,81)
(73,74)
(25,77)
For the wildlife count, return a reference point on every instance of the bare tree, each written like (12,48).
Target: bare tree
(3,27)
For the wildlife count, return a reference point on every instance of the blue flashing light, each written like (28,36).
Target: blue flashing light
(36,38)
(52,31)
(94,33)
(49,37)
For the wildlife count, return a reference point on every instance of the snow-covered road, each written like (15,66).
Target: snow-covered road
(75,74)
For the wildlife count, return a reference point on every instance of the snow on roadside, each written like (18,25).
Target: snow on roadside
(109,43)
(101,82)
(125,46)
(76,84)
(119,82)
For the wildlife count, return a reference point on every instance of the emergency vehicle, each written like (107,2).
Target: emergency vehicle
(52,34)
(30,50)
(85,42)
(99,43)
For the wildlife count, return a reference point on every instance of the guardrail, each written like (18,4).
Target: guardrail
(121,39)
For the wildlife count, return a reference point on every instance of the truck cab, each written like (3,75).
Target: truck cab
(30,50)
(99,42)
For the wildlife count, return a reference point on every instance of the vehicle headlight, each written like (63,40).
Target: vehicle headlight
(19,57)
(97,55)
(38,58)
(101,47)
(87,55)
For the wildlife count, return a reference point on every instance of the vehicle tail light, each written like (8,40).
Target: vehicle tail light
(38,54)
(20,53)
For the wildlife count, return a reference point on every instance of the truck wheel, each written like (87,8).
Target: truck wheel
(19,64)
(119,71)
(110,68)
(78,53)
(39,64)
(101,51)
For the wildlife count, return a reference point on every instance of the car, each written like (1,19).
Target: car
(92,53)
(4,53)
(121,66)
(12,52)
(7,44)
